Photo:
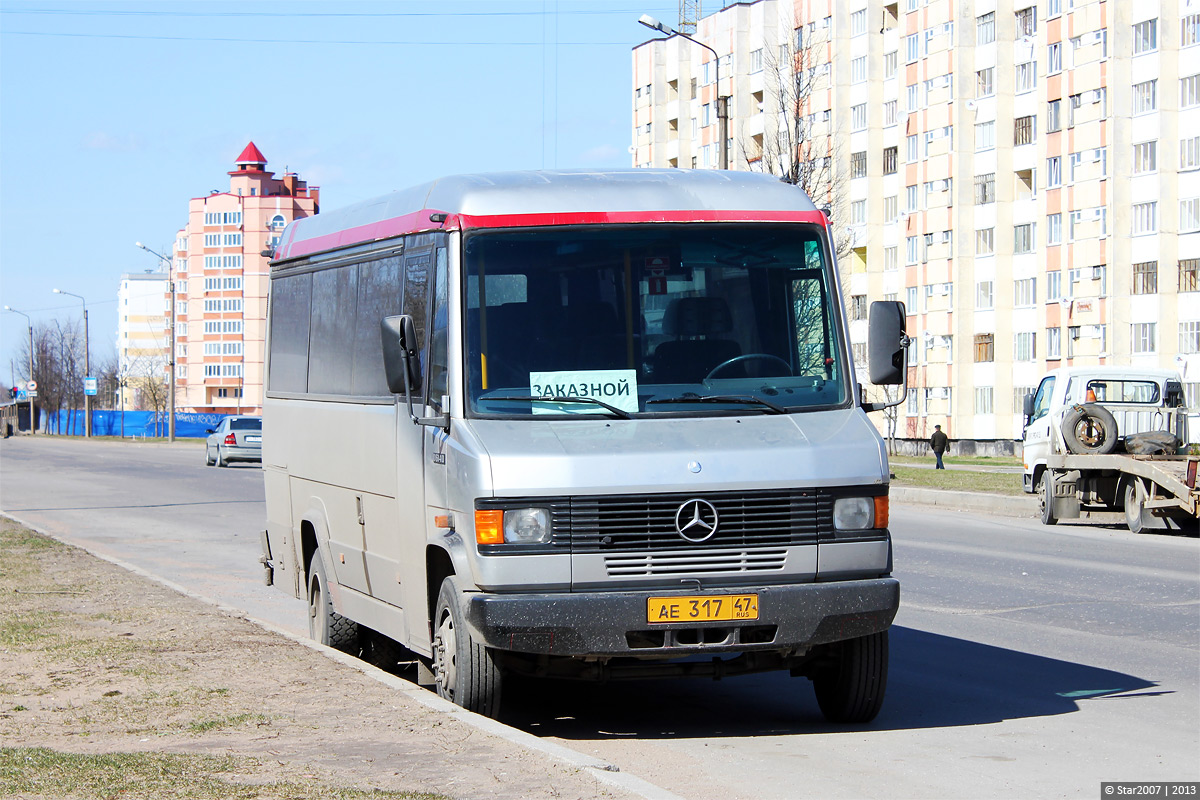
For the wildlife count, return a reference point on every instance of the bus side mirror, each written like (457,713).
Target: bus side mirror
(887,343)
(1028,407)
(398,335)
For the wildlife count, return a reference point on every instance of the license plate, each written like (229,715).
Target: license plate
(253,438)
(702,608)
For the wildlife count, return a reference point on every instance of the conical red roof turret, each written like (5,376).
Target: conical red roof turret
(251,157)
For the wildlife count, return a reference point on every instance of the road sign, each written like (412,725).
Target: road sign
(89,386)
(23,395)
(32,386)
(30,394)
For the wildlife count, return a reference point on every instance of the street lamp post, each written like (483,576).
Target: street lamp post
(87,366)
(171,355)
(32,423)
(722,108)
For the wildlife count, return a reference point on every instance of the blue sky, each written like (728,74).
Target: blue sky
(113,115)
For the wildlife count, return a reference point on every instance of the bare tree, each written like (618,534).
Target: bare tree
(802,150)
(146,376)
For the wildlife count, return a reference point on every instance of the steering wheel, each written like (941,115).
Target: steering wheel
(749,357)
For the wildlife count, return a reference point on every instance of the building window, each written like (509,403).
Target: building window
(985,28)
(277,222)
(1026,78)
(983,399)
(1189,33)
(1144,218)
(1189,215)
(985,136)
(1053,229)
(985,347)
(985,189)
(889,113)
(985,82)
(912,48)
(891,258)
(1053,343)
(1189,337)
(889,161)
(756,63)
(1025,347)
(1145,157)
(1054,58)
(890,64)
(912,198)
(1027,21)
(858,307)
(858,23)
(1142,338)
(985,241)
(1189,154)
(1189,91)
(1145,37)
(912,250)
(858,212)
(1189,275)
(910,299)
(1053,116)
(1024,292)
(1053,172)
(858,70)
(1024,130)
(983,296)
(1145,97)
(891,208)
(1053,285)
(1023,239)
(913,149)
(1145,277)
(858,117)
(858,165)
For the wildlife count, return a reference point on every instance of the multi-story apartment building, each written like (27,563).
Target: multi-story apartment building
(1023,174)
(143,339)
(220,274)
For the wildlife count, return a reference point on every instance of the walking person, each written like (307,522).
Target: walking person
(939,443)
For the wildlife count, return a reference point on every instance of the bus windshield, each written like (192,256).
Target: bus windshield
(658,319)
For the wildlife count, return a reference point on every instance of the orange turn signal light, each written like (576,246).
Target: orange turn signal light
(489,526)
(881,511)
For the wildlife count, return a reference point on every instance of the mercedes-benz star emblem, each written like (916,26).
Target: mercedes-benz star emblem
(696,520)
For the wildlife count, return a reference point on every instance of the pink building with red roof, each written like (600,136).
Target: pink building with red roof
(220,275)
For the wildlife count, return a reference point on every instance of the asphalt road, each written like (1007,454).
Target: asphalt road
(1025,662)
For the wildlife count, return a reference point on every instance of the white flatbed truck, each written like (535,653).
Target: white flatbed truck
(1081,440)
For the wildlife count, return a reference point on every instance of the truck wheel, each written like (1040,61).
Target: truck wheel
(1135,505)
(853,690)
(1045,496)
(1089,429)
(324,624)
(383,651)
(465,672)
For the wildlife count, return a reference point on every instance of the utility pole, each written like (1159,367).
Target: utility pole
(722,108)
(171,355)
(87,366)
(31,393)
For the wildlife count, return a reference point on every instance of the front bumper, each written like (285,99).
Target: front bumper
(610,624)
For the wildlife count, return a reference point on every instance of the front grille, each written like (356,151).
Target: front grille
(745,519)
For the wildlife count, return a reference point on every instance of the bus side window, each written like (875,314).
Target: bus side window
(439,358)
(416,298)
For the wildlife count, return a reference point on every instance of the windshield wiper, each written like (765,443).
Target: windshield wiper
(749,400)
(616,412)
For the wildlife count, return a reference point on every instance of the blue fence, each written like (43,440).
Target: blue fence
(137,423)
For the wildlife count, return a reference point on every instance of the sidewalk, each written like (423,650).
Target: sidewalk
(1001,504)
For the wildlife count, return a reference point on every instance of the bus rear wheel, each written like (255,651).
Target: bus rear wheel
(324,624)
(465,672)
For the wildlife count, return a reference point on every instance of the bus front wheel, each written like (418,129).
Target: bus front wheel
(465,672)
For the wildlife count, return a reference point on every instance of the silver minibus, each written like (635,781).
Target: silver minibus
(576,424)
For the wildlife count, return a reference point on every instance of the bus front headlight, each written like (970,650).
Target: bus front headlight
(526,526)
(853,513)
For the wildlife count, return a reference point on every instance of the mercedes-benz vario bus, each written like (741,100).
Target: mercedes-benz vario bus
(576,424)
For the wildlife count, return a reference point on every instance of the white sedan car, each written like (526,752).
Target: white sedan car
(235,439)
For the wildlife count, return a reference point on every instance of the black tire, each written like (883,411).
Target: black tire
(465,671)
(1135,505)
(383,651)
(1045,493)
(1089,429)
(324,624)
(853,690)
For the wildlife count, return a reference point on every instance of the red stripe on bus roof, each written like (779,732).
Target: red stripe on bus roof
(419,221)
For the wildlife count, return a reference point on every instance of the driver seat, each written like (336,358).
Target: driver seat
(697,323)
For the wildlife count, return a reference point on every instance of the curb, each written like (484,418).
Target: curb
(1000,504)
(599,769)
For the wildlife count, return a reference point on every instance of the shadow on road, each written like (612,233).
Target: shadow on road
(934,682)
